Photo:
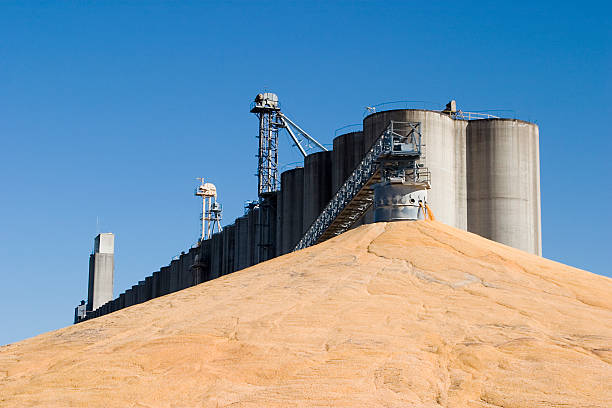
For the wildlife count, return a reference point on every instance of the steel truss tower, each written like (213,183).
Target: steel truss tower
(267,109)
(271,119)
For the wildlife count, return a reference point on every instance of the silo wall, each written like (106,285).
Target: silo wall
(142,294)
(174,276)
(253,235)
(292,190)
(216,255)
(228,249)
(347,153)
(155,285)
(503,178)
(164,280)
(129,297)
(203,272)
(317,185)
(443,142)
(279,224)
(267,226)
(241,244)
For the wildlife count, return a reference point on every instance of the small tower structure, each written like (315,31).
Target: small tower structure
(211,209)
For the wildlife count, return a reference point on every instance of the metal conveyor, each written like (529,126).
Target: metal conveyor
(399,143)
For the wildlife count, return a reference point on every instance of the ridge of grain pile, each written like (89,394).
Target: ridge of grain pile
(406,314)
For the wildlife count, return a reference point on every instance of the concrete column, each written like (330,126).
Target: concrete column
(101,271)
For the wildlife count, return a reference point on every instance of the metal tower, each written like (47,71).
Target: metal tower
(271,119)
(267,109)
(211,209)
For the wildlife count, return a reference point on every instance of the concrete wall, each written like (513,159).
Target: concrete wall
(317,186)
(443,142)
(503,179)
(292,224)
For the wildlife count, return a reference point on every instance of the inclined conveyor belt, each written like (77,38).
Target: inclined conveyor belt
(355,196)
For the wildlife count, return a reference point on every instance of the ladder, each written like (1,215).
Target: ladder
(400,141)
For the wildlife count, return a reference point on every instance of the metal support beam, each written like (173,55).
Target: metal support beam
(295,139)
(299,129)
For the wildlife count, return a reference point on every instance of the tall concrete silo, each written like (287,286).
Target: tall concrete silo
(216,255)
(317,185)
(347,153)
(443,150)
(503,179)
(242,243)
(253,236)
(229,237)
(292,201)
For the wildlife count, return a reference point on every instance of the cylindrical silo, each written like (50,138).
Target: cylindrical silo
(155,287)
(203,271)
(228,249)
(347,153)
(317,185)
(242,243)
(141,290)
(216,255)
(292,191)
(174,275)
(129,297)
(443,153)
(164,280)
(253,233)
(503,178)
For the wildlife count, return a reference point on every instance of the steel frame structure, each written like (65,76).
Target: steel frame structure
(271,119)
(394,155)
(267,156)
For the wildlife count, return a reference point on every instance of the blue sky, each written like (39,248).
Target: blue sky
(110,110)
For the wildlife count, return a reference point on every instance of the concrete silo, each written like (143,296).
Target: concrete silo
(292,211)
(503,179)
(242,243)
(317,185)
(229,249)
(443,150)
(347,153)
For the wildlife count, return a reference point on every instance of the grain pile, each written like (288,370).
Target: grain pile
(412,314)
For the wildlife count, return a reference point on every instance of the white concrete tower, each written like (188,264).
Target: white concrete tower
(101,271)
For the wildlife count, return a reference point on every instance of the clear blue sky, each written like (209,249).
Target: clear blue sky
(112,109)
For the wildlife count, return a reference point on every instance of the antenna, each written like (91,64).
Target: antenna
(211,209)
